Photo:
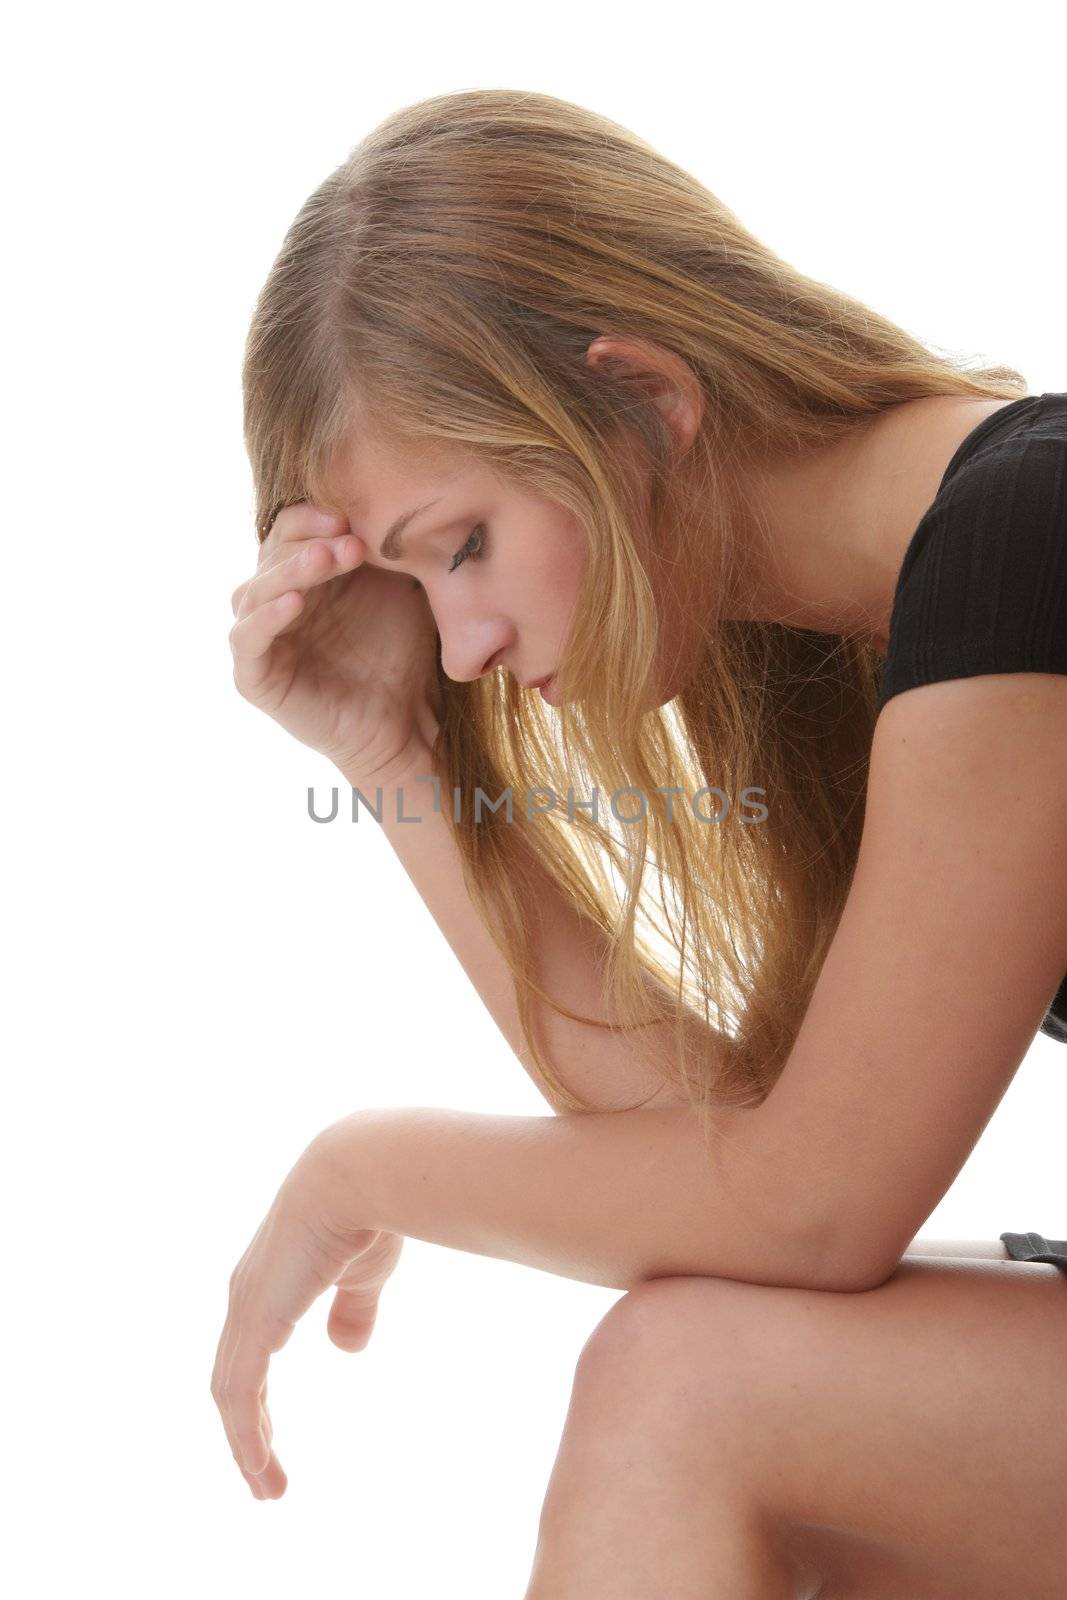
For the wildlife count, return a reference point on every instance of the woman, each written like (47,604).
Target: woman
(524,401)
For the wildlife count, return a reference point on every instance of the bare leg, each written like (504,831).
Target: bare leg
(736,1440)
(959,1249)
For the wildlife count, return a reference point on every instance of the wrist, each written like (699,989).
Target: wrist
(340,1173)
(415,763)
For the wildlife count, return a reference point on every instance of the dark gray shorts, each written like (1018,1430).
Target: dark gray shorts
(1035,1247)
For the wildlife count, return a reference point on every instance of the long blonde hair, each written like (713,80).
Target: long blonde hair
(442,286)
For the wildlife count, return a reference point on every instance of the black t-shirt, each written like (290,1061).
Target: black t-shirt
(983,585)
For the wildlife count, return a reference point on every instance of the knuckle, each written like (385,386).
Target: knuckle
(279,518)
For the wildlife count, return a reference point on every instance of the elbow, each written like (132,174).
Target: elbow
(853,1265)
(813,1256)
(856,1280)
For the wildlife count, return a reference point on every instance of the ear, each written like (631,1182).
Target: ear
(667,380)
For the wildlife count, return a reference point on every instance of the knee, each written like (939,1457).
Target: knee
(676,1373)
(692,1347)
(660,1338)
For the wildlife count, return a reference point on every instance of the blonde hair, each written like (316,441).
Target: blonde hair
(441,288)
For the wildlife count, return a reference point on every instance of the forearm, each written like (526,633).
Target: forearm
(611,1198)
(608,1070)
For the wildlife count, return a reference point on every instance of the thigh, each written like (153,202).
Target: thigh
(916,1429)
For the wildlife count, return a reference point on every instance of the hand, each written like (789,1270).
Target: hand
(299,1251)
(345,659)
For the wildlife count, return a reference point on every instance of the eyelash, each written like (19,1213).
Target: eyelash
(466,554)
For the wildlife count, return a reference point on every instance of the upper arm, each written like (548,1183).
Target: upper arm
(608,1069)
(951,944)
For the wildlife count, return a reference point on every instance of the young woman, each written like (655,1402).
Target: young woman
(524,401)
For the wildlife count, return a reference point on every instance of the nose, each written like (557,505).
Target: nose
(465,662)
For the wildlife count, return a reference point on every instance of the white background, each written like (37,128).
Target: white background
(201,978)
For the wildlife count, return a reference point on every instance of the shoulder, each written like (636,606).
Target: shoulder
(983,586)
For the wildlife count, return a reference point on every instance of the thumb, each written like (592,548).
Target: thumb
(352,1318)
(355,1305)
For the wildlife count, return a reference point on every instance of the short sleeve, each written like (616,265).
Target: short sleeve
(983,585)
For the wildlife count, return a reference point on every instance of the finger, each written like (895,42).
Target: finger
(266,1481)
(281,1274)
(238,1385)
(268,1485)
(239,1377)
(240,1392)
(254,633)
(296,522)
(355,1306)
(302,567)
(271,1481)
(353,1315)
(251,640)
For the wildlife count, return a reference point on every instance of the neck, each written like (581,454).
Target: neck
(839,519)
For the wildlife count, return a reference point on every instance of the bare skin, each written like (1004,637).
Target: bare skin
(840,518)
(724,1438)
(844,516)
(740,1441)
(736,1440)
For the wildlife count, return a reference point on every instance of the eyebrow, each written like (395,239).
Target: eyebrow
(392,546)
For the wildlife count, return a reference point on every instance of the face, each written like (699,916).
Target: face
(500,567)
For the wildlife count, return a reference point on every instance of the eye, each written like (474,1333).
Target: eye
(467,553)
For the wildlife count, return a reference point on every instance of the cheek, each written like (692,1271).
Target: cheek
(542,585)
(563,574)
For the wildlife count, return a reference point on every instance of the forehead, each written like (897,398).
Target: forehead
(367,477)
